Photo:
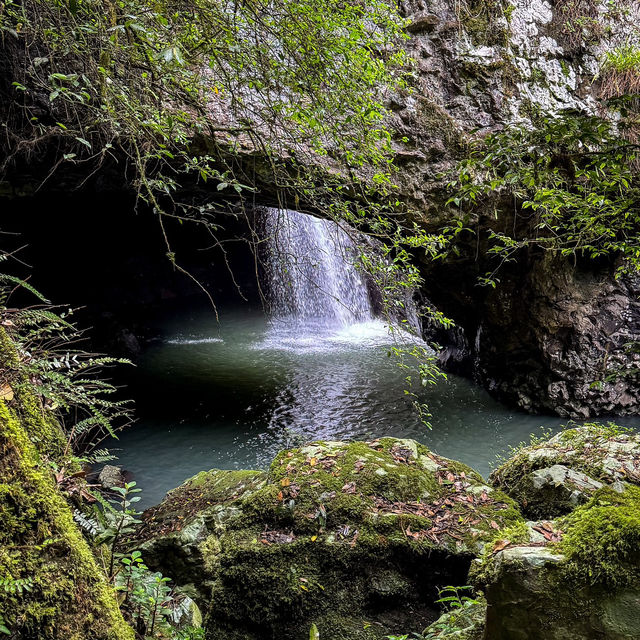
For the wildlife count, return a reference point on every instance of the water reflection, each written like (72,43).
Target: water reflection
(232,396)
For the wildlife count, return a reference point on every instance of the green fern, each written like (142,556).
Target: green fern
(67,380)
(16,585)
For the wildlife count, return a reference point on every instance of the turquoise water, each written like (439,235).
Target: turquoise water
(230,395)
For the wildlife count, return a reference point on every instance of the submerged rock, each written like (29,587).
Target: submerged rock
(551,478)
(582,581)
(111,476)
(354,537)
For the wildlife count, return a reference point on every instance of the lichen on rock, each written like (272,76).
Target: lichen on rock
(355,537)
(551,478)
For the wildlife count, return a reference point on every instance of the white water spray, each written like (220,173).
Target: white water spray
(312,271)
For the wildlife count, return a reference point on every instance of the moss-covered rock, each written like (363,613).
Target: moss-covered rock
(581,581)
(354,537)
(66,595)
(551,478)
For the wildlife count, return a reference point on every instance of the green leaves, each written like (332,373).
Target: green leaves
(16,585)
(172,54)
(573,181)
(64,379)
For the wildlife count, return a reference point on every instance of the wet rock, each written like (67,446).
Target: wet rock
(111,476)
(325,537)
(186,615)
(551,478)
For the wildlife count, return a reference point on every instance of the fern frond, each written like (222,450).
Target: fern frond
(8,279)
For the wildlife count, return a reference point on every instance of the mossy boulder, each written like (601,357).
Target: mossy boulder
(581,580)
(550,478)
(354,537)
(64,594)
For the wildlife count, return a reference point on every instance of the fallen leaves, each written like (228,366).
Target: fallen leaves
(350,487)
(549,532)
(276,537)
(402,454)
(499,545)
(6,393)
(453,515)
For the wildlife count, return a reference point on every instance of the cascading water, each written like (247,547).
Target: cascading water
(235,393)
(312,271)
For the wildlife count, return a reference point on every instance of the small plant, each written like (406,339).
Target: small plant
(19,585)
(458,605)
(65,378)
(189,633)
(454,598)
(13,585)
(119,519)
(147,599)
(620,72)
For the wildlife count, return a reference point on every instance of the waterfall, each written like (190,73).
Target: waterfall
(311,270)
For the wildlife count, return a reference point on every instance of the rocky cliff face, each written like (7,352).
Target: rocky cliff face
(553,336)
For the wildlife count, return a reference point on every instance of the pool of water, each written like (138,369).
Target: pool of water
(230,395)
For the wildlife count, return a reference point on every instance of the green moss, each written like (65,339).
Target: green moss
(583,586)
(208,490)
(484,570)
(480,20)
(584,449)
(602,539)
(69,598)
(40,426)
(434,120)
(334,531)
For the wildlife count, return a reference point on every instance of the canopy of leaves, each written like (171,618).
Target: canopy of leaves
(283,78)
(179,92)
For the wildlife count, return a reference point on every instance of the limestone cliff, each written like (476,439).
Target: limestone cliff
(553,336)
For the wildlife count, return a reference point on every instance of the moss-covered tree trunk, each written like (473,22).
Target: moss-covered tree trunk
(61,593)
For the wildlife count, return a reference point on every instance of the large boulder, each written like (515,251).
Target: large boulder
(580,579)
(552,477)
(353,537)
